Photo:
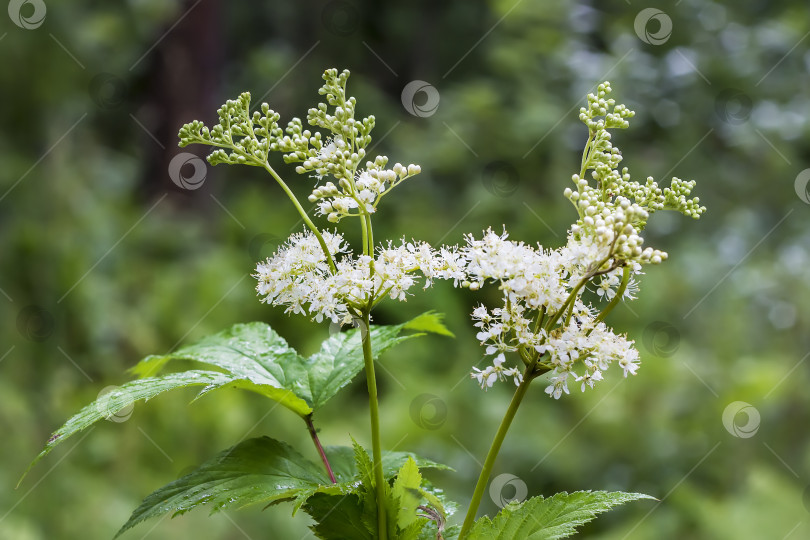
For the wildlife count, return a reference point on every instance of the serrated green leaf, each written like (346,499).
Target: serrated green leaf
(430,322)
(252,357)
(111,403)
(338,518)
(261,470)
(407,493)
(353,467)
(341,358)
(416,530)
(363,465)
(451,532)
(549,518)
(254,352)
(343,462)
(251,352)
(266,471)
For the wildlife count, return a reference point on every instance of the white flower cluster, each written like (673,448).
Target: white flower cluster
(537,284)
(298,275)
(593,345)
(543,317)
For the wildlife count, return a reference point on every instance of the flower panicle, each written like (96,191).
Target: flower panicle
(298,277)
(544,317)
(242,137)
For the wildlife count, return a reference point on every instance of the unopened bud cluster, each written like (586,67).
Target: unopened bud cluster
(359,183)
(241,137)
(341,155)
(615,210)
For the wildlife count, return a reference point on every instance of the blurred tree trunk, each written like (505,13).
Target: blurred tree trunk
(183,79)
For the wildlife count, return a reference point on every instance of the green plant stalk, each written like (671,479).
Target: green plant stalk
(314,435)
(572,295)
(374,413)
(489,462)
(617,298)
(302,213)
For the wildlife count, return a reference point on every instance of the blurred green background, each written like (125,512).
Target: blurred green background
(105,259)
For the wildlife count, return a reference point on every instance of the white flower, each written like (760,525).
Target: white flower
(607,286)
(535,281)
(558,385)
(298,275)
(487,377)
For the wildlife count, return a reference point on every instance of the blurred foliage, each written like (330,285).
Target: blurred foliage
(105,260)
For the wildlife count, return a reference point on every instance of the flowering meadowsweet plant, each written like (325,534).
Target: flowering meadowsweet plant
(549,323)
(543,317)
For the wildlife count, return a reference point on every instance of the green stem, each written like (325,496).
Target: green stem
(364,231)
(374,413)
(617,298)
(572,295)
(585,157)
(370,236)
(489,462)
(302,213)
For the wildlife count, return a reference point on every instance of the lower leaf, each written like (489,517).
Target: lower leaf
(261,470)
(549,518)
